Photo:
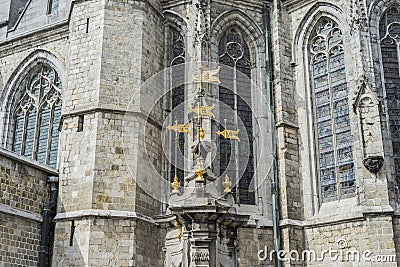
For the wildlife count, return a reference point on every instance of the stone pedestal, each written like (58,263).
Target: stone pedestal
(202,227)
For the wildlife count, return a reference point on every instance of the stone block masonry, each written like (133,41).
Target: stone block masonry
(107,50)
(373,234)
(250,242)
(100,220)
(114,241)
(19,238)
(24,192)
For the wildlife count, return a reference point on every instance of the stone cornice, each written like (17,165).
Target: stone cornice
(379,211)
(167,4)
(293,5)
(152,6)
(254,5)
(396,213)
(20,213)
(106,214)
(27,161)
(286,124)
(40,36)
(345,218)
(75,113)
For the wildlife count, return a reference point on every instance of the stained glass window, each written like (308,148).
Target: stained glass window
(234,52)
(334,144)
(37,117)
(389,31)
(176,57)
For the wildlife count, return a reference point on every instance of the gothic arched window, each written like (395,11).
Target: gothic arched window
(389,31)
(234,52)
(331,112)
(176,56)
(37,116)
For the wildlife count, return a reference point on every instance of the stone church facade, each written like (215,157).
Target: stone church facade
(86,92)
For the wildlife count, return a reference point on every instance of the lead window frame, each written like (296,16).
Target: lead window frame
(323,33)
(41,89)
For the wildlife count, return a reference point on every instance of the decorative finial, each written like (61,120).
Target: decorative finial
(201,133)
(179,226)
(175,185)
(200,172)
(227,184)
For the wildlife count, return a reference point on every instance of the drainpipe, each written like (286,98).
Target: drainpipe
(49,211)
(271,124)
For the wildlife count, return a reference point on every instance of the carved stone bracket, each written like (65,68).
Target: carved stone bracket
(373,163)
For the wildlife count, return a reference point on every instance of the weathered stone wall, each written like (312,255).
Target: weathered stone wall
(149,242)
(84,56)
(24,192)
(396,233)
(101,84)
(114,47)
(77,164)
(301,203)
(112,242)
(22,187)
(19,239)
(376,11)
(15,50)
(15,53)
(372,233)
(109,49)
(287,102)
(250,242)
(35,16)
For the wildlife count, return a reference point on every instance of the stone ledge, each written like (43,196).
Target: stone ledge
(290,222)
(151,5)
(360,215)
(106,214)
(33,36)
(294,5)
(380,210)
(396,213)
(253,5)
(94,110)
(25,160)
(286,124)
(20,213)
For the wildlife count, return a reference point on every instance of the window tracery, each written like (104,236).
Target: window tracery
(177,96)
(389,31)
(334,144)
(234,52)
(37,117)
